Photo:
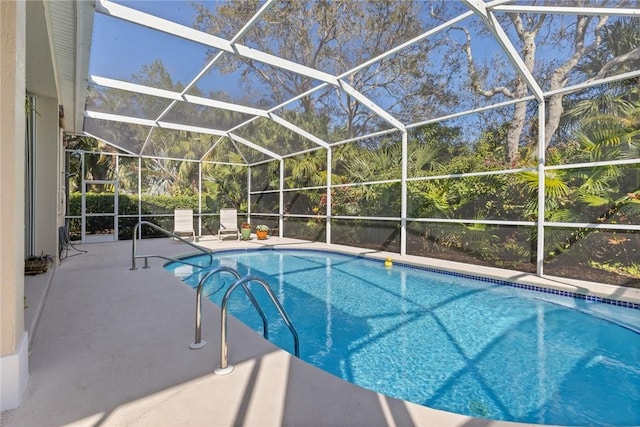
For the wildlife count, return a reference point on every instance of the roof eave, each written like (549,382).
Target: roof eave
(70,30)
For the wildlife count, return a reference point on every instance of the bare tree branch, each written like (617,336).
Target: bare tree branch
(634,55)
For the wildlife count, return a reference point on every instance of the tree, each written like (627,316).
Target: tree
(581,37)
(334,37)
(619,52)
(99,167)
(225,185)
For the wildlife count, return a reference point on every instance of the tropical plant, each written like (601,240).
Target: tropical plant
(226,184)
(600,194)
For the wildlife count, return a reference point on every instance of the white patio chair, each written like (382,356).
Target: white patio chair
(228,223)
(183,223)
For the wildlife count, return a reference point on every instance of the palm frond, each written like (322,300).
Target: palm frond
(594,200)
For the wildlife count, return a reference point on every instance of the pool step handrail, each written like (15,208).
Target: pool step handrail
(198,341)
(169,234)
(225,368)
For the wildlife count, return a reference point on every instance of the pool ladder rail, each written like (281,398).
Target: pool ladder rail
(225,368)
(198,342)
(134,240)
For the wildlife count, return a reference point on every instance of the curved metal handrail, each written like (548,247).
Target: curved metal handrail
(170,234)
(224,367)
(198,342)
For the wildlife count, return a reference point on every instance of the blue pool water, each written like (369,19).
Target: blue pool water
(462,345)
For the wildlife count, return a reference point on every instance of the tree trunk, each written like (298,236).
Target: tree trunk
(515,130)
(520,111)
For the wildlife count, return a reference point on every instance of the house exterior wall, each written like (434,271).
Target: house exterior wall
(13,337)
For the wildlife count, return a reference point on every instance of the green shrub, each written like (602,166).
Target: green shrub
(128,205)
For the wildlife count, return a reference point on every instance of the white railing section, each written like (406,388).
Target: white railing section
(134,256)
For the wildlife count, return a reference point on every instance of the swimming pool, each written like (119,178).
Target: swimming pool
(452,343)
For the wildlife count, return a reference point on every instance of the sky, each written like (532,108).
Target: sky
(121,48)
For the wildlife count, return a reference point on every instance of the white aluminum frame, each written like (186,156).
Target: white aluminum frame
(486,11)
(85,215)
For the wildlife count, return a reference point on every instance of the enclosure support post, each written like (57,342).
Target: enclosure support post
(140,194)
(403,192)
(200,198)
(328,213)
(281,210)
(248,219)
(541,188)
(116,200)
(83,204)
(116,209)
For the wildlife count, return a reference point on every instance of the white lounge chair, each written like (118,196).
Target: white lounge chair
(183,223)
(228,223)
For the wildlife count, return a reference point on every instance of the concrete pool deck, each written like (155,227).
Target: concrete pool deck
(109,347)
